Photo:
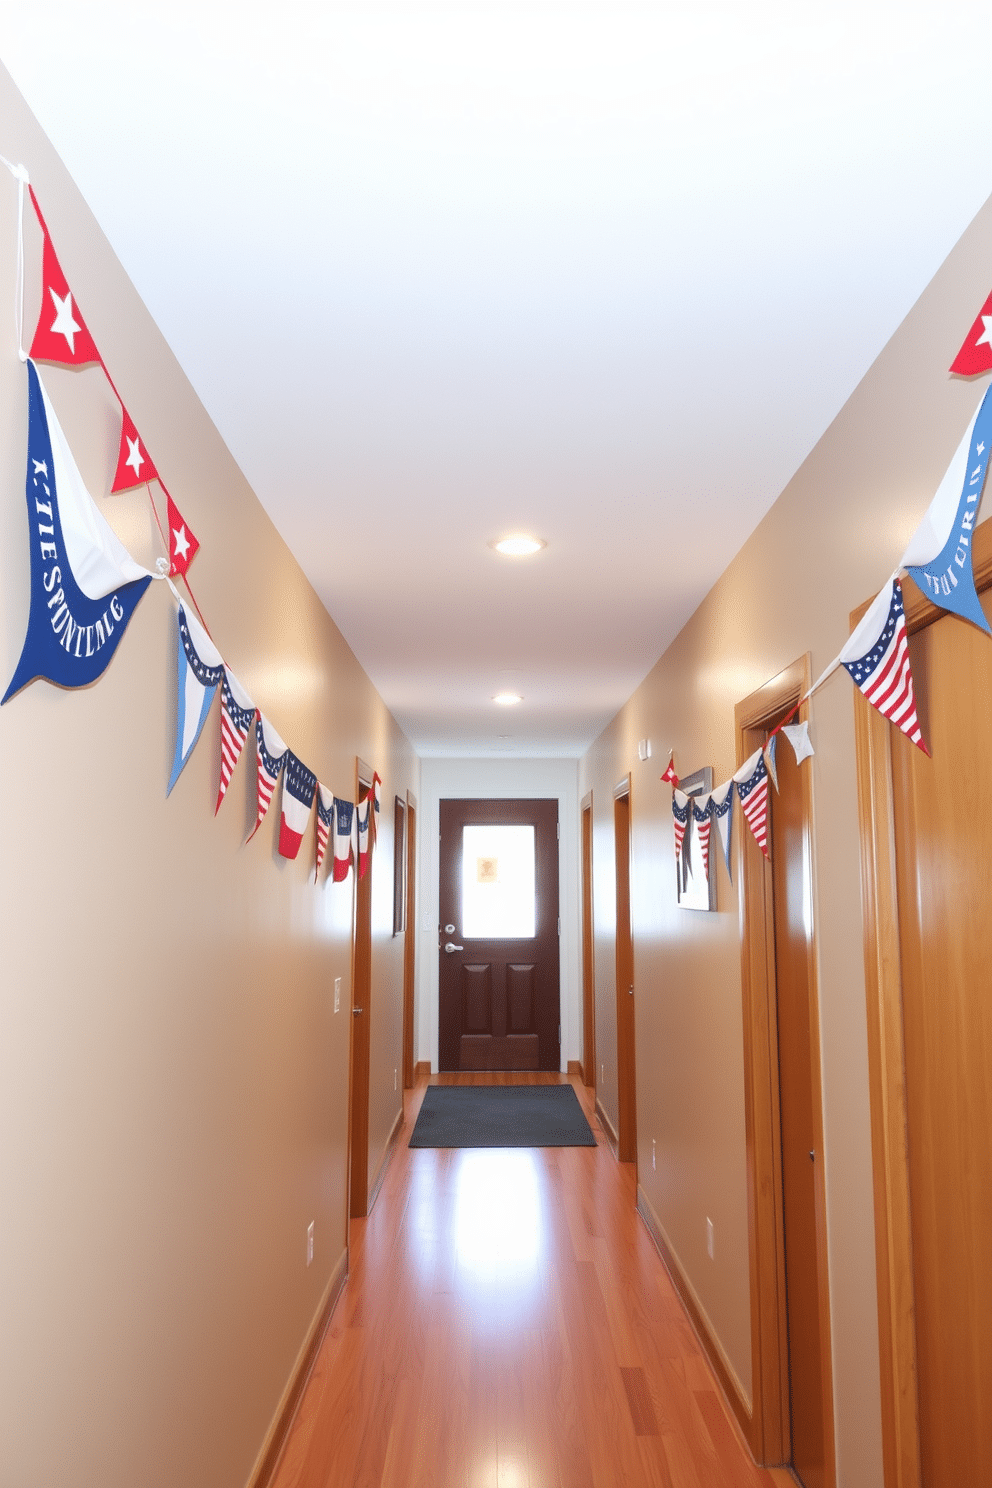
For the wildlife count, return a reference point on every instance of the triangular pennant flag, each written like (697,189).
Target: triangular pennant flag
(722,809)
(271,755)
(770,764)
(363,813)
(200,670)
(680,816)
(939,554)
(877,657)
(134,464)
(374,819)
(325,817)
(976,354)
(85,586)
(236,714)
(752,788)
(298,787)
(344,838)
(670,776)
(61,335)
(798,736)
(183,546)
(702,821)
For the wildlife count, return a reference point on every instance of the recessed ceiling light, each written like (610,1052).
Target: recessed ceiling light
(507,699)
(518,545)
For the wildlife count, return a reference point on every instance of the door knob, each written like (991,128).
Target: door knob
(355,1012)
(449,929)
(630,991)
(449,946)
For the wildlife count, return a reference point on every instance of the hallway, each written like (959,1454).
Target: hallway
(509,1324)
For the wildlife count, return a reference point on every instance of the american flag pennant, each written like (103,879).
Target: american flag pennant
(298,788)
(183,546)
(134,464)
(61,335)
(200,669)
(770,764)
(670,776)
(752,788)
(680,815)
(271,754)
(877,657)
(363,812)
(325,818)
(236,714)
(722,813)
(702,822)
(345,849)
(976,353)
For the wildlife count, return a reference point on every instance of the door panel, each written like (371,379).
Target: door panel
(498,984)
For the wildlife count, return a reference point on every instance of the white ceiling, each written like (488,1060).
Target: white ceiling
(603,271)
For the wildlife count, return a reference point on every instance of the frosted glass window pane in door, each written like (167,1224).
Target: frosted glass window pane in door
(498,901)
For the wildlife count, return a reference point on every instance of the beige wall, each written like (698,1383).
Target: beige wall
(173,1079)
(828,543)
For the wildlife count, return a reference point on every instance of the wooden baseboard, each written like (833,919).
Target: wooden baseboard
(575,1068)
(384,1163)
(421,1071)
(733,1391)
(275,1439)
(608,1128)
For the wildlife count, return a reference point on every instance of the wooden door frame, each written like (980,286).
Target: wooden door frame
(769,1429)
(409,948)
(886,1057)
(588,958)
(359,1046)
(626,1005)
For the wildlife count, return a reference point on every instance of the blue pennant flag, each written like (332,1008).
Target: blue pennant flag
(939,554)
(200,672)
(722,806)
(85,585)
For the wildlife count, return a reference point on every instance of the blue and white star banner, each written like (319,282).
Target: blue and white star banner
(345,838)
(722,809)
(85,585)
(938,558)
(298,788)
(200,670)
(271,752)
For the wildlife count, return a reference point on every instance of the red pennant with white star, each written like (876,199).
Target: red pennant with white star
(976,353)
(61,335)
(134,464)
(182,544)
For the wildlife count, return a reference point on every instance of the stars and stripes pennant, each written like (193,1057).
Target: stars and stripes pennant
(938,558)
(344,838)
(752,788)
(134,464)
(183,546)
(976,353)
(61,335)
(680,816)
(325,817)
(770,764)
(271,754)
(877,657)
(85,586)
(702,822)
(298,787)
(670,776)
(363,812)
(798,736)
(237,711)
(722,813)
(200,669)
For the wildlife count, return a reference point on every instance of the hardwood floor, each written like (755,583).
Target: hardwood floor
(508,1323)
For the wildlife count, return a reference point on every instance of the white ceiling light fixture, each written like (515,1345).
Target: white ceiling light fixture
(507,699)
(518,545)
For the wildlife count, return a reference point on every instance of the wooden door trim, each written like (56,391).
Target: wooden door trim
(410,944)
(886,1056)
(588,949)
(358,1136)
(770,1433)
(626,1009)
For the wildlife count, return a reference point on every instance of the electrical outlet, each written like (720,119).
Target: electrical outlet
(654,1155)
(709,1238)
(337,994)
(309,1242)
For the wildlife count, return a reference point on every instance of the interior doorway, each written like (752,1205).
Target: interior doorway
(498,949)
(409,947)
(626,1049)
(792,1418)
(361,999)
(588,960)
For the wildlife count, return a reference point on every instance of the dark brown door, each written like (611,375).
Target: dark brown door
(498,982)
(361,997)
(626,1082)
(799,1155)
(588,966)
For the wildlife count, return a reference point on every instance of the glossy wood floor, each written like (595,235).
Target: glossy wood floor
(508,1323)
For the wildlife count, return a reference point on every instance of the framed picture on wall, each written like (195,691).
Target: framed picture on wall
(694,890)
(399,866)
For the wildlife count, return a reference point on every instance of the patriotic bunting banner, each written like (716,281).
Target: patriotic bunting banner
(134,465)
(680,815)
(770,764)
(798,736)
(85,586)
(271,754)
(939,554)
(976,354)
(200,671)
(344,838)
(237,711)
(298,787)
(374,819)
(363,813)
(722,813)
(877,657)
(325,816)
(752,788)
(61,335)
(702,822)
(183,546)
